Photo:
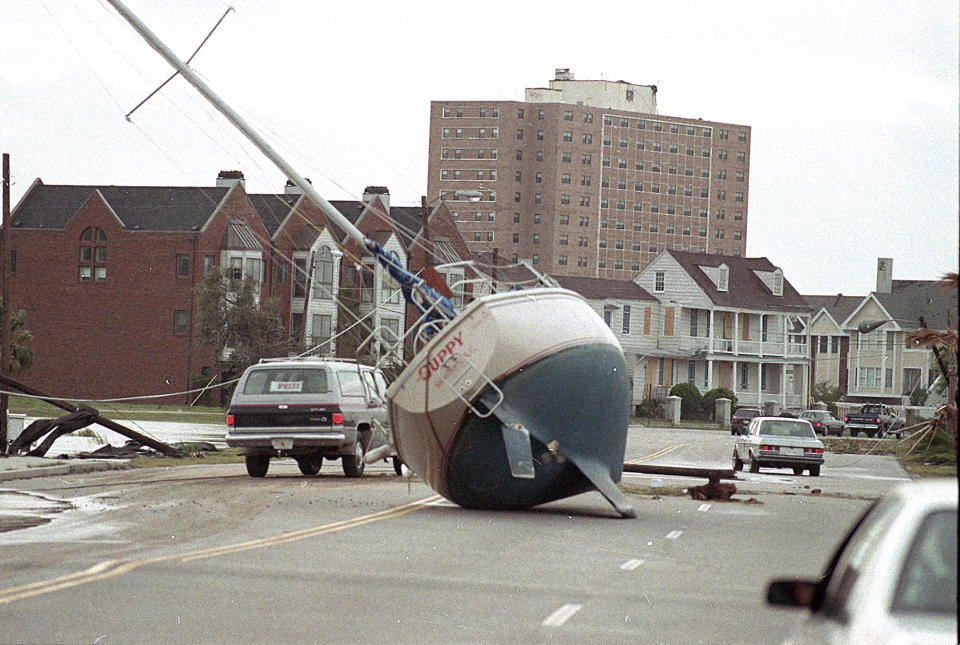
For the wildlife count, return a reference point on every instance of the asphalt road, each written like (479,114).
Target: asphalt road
(206,554)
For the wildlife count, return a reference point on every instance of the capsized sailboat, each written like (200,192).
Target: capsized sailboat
(521,398)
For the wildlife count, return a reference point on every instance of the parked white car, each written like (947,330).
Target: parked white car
(892,580)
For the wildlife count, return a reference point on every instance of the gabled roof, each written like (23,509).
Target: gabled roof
(602,288)
(839,306)
(409,223)
(273,209)
(910,299)
(148,208)
(745,289)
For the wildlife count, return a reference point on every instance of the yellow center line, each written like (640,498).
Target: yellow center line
(117,567)
(658,453)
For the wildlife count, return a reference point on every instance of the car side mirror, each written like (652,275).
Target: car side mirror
(792,593)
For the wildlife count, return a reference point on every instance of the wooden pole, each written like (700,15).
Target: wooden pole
(6,305)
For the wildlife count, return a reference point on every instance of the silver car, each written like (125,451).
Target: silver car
(779,442)
(892,580)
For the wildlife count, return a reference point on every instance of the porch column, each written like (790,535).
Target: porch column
(736,333)
(710,385)
(759,390)
(783,382)
(734,377)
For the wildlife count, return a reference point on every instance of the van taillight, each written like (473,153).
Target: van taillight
(230,420)
(337,418)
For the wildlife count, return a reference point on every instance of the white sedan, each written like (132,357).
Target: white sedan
(893,580)
(779,442)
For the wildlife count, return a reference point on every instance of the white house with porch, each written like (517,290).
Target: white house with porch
(725,321)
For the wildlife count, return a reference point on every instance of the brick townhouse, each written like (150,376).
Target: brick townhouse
(106,275)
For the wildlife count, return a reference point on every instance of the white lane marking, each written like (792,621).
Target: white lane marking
(673,535)
(560,616)
(630,565)
(704,508)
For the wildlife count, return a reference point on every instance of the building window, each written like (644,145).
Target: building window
(539,135)
(180,322)
(659,281)
(183,265)
(320,329)
(562,260)
(693,323)
(626,319)
(93,255)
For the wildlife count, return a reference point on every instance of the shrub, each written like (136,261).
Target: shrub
(709,400)
(650,408)
(690,399)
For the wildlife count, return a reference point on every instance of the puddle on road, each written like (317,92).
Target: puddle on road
(23,510)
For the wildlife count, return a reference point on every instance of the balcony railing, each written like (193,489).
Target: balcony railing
(757,348)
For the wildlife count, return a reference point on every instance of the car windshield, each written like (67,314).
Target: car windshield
(287,381)
(786,428)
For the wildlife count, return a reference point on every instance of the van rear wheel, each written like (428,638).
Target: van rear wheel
(353,465)
(257,465)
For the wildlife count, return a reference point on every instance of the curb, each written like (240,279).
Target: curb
(58,470)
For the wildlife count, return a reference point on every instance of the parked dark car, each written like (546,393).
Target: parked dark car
(741,419)
(823,422)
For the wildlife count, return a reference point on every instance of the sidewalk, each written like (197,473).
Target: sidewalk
(28,467)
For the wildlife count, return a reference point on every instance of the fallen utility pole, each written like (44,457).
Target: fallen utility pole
(712,490)
(98,418)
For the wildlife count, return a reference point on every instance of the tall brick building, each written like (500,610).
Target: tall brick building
(584,178)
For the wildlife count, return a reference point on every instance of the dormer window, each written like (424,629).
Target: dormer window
(93,255)
(777,287)
(723,277)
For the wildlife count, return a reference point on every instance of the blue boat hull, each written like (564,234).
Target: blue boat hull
(575,404)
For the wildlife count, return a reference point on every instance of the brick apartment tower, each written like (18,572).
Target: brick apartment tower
(584,178)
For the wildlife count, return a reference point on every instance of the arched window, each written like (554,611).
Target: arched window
(93,255)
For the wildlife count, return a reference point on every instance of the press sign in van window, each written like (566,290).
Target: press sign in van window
(286,386)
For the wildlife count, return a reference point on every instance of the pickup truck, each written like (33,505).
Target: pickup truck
(874,419)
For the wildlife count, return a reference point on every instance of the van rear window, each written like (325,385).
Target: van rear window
(287,381)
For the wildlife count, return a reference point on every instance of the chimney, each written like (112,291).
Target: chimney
(292,189)
(377,191)
(563,74)
(228,178)
(884,275)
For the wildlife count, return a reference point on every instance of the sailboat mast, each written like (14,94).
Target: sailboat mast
(328,209)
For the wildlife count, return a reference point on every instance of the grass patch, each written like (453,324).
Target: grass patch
(87,432)
(934,455)
(190,458)
(638,489)
(855,446)
(121,411)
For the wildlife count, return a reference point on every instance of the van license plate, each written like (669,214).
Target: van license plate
(282,444)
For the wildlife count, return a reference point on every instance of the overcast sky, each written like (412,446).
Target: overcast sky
(853,104)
